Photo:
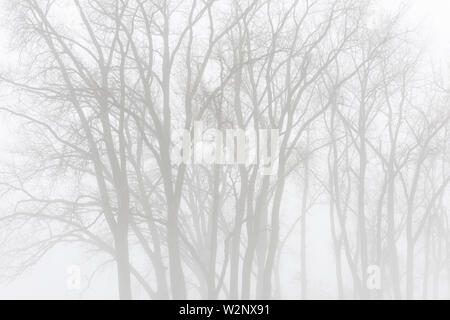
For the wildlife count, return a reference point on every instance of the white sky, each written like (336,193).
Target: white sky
(433,20)
(47,279)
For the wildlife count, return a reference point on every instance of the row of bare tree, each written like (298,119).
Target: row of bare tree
(100,86)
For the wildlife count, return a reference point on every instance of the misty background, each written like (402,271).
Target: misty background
(407,90)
